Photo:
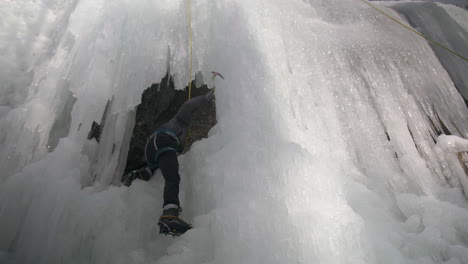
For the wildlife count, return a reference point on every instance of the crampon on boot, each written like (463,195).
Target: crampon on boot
(142,174)
(170,223)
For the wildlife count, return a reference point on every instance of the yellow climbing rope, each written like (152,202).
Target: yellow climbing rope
(190,62)
(190,48)
(409,28)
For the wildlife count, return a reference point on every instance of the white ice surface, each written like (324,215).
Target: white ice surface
(447,25)
(324,151)
(448,149)
(460,15)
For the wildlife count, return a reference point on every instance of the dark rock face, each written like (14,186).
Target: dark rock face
(96,128)
(159,103)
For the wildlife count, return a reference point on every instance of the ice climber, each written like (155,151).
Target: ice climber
(161,152)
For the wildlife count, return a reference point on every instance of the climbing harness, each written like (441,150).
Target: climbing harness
(153,163)
(420,34)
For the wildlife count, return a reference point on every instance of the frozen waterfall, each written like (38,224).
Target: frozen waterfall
(328,146)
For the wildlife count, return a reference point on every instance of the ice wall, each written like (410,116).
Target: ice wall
(324,152)
(445,25)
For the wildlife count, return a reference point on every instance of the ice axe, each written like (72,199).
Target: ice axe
(215,74)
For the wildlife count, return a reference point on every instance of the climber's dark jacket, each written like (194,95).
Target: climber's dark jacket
(180,123)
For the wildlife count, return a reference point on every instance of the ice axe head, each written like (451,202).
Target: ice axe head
(216,74)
